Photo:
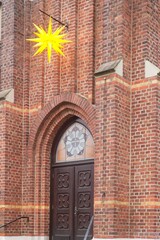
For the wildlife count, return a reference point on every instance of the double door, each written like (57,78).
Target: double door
(72,201)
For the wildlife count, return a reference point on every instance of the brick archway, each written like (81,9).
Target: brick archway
(43,132)
(67,101)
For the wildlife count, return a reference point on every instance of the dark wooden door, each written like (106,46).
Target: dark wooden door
(63,178)
(83,199)
(72,202)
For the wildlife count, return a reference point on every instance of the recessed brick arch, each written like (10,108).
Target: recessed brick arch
(42,135)
(70,102)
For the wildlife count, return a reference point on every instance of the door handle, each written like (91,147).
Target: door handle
(75,210)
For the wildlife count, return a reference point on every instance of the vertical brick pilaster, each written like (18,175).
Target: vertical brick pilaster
(7,57)
(36,86)
(19,43)
(2,165)
(12,48)
(145,32)
(145,158)
(157,162)
(52,70)
(12,66)
(10,167)
(68,64)
(112,158)
(85,47)
(13,169)
(113,33)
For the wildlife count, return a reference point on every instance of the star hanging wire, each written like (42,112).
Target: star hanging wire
(49,40)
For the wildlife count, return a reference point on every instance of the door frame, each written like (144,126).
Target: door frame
(59,133)
(57,165)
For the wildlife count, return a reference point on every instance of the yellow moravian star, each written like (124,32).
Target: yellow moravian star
(49,40)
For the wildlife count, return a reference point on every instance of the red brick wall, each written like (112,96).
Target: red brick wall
(36,85)
(12,69)
(2,164)
(124,117)
(145,35)
(11,166)
(145,156)
(12,48)
(112,157)
(113,33)
(69,73)
(37,170)
(7,42)
(52,84)
(98,34)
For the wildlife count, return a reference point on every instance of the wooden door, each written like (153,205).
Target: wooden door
(83,199)
(72,202)
(62,227)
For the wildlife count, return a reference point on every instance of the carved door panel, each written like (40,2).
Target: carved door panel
(62,217)
(72,202)
(83,200)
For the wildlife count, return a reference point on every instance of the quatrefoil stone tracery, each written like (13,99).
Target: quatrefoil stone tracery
(75,141)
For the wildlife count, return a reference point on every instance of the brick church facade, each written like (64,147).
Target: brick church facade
(108,84)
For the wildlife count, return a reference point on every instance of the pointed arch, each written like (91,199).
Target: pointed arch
(42,134)
(67,105)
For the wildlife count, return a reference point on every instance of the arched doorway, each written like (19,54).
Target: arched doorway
(72,182)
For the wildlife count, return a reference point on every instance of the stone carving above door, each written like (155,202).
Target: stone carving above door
(75,144)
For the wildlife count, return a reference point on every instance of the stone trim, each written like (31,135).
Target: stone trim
(150,69)
(110,67)
(13,206)
(47,238)
(24,238)
(123,238)
(7,95)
